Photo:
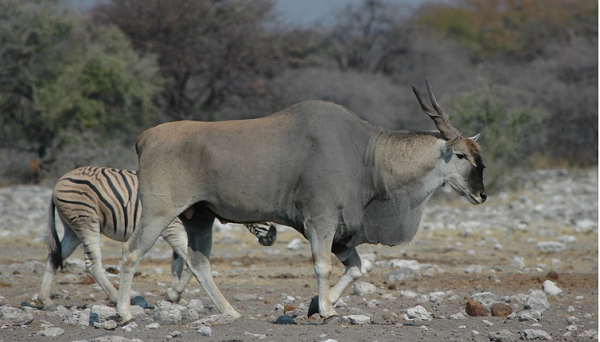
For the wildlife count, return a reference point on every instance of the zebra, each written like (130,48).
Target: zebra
(91,201)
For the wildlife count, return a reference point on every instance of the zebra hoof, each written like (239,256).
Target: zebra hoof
(335,319)
(124,320)
(313,308)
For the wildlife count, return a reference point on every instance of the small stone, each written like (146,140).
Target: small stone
(517,262)
(357,319)
(401,274)
(488,323)
(534,334)
(140,301)
(362,288)
(14,316)
(552,275)
(243,297)
(530,315)
(400,263)
(550,288)
(51,332)
(168,316)
(501,310)
(417,314)
(218,319)
(474,308)
(195,304)
(551,246)
(106,325)
(295,244)
(473,269)
(503,335)
(153,326)
(537,300)
(285,319)
(204,331)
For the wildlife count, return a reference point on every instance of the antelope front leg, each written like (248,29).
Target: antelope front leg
(350,258)
(134,250)
(321,247)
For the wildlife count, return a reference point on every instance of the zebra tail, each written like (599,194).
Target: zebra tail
(53,240)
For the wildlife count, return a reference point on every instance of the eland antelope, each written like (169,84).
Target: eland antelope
(333,177)
(91,201)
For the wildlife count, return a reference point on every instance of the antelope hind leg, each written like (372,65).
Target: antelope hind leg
(199,231)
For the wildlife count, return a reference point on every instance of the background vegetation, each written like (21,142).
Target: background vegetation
(77,88)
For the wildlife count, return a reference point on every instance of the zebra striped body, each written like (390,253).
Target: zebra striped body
(91,201)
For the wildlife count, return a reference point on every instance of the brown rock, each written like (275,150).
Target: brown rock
(473,308)
(552,275)
(289,308)
(89,280)
(501,310)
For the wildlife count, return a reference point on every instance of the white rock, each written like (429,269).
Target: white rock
(534,334)
(295,244)
(14,316)
(550,246)
(366,266)
(401,274)
(530,315)
(167,316)
(357,319)
(417,314)
(195,304)
(153,326)
(517,262)
(503,335)
(585,226)
(362,288)
(436,297)
(458,315)
(473,269)
(551,288)
(401,263)
(204,331)
(102,313)
(51,332)
(80,318)
(537,300)
(213,320)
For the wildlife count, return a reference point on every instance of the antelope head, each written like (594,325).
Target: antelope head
(461,155)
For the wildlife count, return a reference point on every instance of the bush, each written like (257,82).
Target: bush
(505,126)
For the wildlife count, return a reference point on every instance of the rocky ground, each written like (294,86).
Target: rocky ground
(534,250)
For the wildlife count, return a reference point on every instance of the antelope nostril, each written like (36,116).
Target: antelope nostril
(483,196)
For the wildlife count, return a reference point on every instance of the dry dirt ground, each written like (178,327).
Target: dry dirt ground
(273,274)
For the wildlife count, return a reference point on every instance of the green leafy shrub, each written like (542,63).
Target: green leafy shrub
(505,126)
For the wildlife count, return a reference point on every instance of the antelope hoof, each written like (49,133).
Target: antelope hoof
(313,308)
(335,319)
(122,320)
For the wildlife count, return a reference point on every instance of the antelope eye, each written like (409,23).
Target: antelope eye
(460,156)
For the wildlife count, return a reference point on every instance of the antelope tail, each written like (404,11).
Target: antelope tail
(53,241)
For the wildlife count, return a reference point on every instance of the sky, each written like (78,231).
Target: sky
(307,12)
(301,12)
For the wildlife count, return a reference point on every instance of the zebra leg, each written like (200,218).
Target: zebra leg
(199,230)
(176,236)
(350,258)
(68,245)
(265,232)
(90,240)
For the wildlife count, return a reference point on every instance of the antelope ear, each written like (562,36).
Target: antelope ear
(474,138)
(451,143)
